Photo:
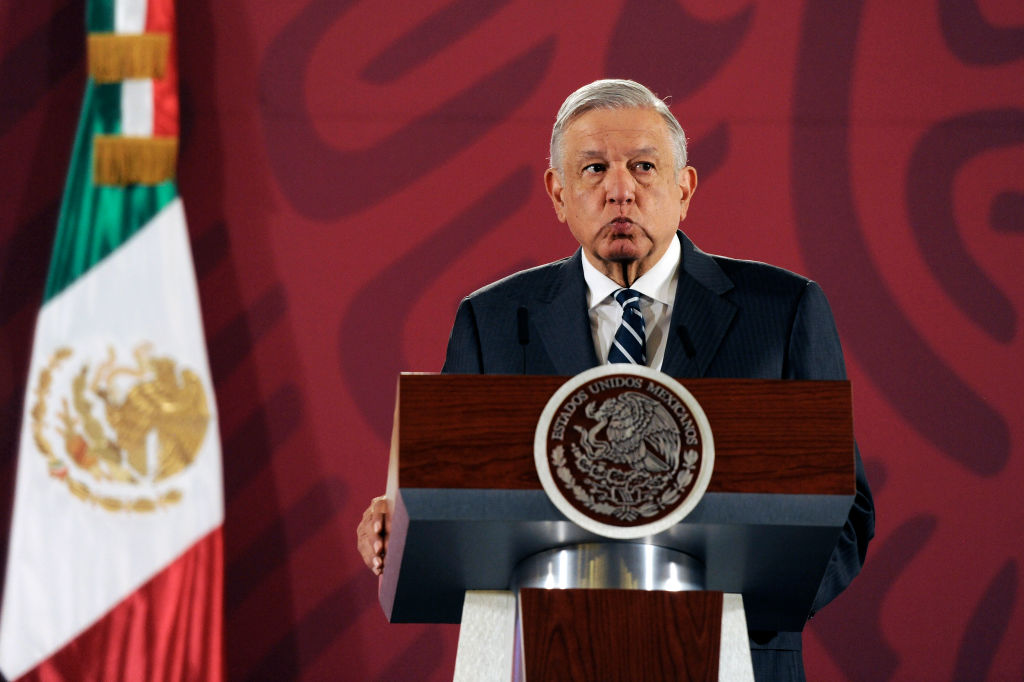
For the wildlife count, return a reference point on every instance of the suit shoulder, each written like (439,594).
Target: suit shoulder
(771,292)
(758,276)
(531,282)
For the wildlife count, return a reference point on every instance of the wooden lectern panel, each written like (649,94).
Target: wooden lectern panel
(620,635)
(777,437)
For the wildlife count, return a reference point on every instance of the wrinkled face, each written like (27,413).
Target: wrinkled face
(618,190)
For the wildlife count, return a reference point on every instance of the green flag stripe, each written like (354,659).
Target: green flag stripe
(99,16)
(105,109)
(94,221)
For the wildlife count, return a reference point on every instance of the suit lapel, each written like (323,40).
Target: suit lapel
(700,315)
(562,322)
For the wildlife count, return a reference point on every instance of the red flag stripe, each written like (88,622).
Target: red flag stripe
(160,17)
(168,629)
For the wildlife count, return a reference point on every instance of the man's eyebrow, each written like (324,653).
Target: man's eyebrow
(595,154)
(644,151)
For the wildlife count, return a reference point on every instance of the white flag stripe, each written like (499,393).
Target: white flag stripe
(130,16)
(137,107)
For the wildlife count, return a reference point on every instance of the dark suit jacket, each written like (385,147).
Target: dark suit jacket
(731,318)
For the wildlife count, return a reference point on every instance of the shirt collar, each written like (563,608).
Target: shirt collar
(655,284)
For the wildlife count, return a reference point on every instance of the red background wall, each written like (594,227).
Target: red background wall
(351,169)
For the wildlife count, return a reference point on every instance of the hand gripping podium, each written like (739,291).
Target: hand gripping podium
(468,514)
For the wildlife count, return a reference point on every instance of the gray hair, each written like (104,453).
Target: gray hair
(614,93)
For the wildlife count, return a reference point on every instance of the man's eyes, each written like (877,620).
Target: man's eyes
(640,167)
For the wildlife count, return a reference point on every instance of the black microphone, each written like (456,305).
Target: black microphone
(523,322)
(684,336)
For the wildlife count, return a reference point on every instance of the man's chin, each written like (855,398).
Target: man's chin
(622,253)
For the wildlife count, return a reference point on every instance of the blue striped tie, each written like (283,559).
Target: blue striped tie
(630,342)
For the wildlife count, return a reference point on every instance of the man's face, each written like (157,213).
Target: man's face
(619,191)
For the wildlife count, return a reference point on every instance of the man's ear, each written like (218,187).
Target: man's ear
(553,185)
(687,181)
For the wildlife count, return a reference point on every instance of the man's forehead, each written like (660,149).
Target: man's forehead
(636,128)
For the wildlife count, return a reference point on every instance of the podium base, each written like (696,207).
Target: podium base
(604,611)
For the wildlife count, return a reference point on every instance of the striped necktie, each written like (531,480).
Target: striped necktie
(630,342)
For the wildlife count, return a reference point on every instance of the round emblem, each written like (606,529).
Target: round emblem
(624,451)
(118,433)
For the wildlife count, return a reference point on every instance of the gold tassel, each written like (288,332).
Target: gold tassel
(113,57)
(124,161)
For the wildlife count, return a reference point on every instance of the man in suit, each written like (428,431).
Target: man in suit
(620,181)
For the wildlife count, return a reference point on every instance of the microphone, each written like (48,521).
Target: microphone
(523,324)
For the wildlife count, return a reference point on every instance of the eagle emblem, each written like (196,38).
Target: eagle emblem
(123,430)
(638,431)
(623,451)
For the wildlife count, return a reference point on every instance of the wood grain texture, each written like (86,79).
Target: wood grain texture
(620,634)
(771,436)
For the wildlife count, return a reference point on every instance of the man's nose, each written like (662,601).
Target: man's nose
(620,187)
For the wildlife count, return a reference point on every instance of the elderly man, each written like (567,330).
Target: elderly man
(619,179)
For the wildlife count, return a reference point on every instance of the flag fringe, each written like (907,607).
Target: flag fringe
(115,57)
(122,161)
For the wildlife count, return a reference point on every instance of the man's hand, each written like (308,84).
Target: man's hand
(372,534)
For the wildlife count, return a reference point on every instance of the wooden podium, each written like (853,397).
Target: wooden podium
(467,506)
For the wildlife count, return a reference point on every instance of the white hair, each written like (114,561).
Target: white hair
(614,93)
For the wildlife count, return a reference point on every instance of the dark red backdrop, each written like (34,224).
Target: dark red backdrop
(351,169)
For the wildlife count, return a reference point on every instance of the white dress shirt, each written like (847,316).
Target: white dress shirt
(657,288)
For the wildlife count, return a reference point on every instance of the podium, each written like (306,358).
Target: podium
(467,506)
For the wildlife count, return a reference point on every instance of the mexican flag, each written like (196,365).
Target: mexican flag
(115,561)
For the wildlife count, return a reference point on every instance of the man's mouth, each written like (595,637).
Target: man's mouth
(621,226)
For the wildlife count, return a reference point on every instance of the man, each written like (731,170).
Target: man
(620,180)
